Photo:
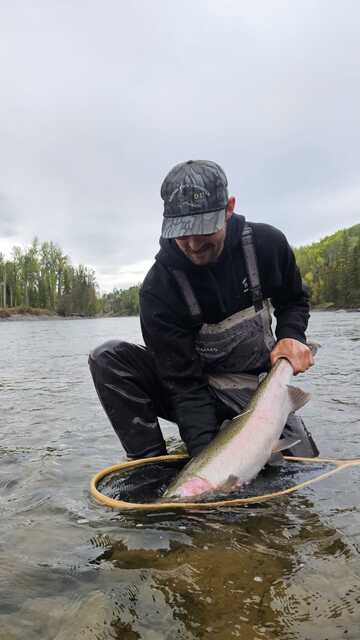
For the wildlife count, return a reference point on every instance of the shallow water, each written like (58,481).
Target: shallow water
(70,568)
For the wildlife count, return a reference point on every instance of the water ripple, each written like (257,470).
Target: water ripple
(71,568)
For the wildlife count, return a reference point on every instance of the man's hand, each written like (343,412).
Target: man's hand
(297,353)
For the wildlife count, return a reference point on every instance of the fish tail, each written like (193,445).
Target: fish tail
(298,397)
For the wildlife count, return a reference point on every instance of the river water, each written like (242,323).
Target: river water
(71,568)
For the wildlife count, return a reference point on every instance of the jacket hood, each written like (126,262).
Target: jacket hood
(171,256)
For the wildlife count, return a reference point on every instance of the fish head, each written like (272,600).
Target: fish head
(196,486)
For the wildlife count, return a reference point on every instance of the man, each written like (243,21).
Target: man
(206,321)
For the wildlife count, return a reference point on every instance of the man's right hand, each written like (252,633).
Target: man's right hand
(298,354)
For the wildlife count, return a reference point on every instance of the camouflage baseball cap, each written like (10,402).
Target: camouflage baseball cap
(195,198)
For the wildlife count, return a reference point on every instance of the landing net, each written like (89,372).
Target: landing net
(140,484)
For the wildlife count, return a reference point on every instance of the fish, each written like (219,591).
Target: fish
(242,448)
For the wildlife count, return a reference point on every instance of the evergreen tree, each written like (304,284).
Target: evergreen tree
(331,268)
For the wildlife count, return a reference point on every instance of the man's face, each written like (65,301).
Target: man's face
(203,250)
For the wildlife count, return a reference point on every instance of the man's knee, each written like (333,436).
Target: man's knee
(100,356)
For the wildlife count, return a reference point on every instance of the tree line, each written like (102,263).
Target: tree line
(42,277)
(121,302)
(331,269)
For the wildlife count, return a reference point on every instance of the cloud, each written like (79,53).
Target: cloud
(97,105)
(125,276)
(8,225)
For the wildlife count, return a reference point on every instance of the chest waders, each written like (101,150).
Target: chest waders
(130,391)
(229,350)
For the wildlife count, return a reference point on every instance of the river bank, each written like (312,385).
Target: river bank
(335,309)
(27,316)
(21,314)
(16,314)
(29,313)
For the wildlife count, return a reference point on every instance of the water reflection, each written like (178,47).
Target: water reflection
(232,576)
(71,569)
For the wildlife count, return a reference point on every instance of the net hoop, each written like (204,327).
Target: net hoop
(123,505)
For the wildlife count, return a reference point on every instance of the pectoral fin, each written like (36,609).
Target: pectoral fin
(276,458)
(230,483)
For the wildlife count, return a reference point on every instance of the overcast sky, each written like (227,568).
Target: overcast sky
(100,99)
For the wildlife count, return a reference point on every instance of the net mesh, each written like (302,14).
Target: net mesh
(147,483)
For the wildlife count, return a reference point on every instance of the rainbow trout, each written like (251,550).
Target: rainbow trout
(241,449)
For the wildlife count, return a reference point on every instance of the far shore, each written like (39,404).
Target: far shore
(10,315)
(14,315)
(17,317)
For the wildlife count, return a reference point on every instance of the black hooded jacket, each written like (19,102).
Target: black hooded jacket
(221,289)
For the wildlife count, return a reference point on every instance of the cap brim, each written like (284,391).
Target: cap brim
(199,224)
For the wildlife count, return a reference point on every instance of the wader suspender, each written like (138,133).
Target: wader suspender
(247,241)
(188,293)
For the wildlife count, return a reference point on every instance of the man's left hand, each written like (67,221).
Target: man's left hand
(297,353)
